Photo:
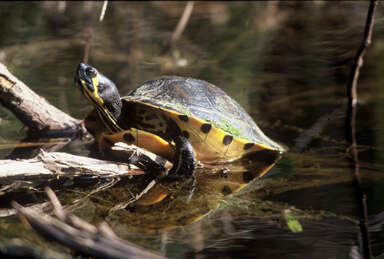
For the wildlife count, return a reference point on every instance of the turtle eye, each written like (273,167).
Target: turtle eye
(90,71)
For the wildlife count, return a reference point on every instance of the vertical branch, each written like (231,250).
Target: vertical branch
(350,127)
(358,61)
(182,23)
(103,9)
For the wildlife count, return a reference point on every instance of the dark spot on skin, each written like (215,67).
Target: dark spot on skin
(205,128)
(226,190)
(247,177)
(227,140)
(183,118)
(129,138)
(248,146)
(185,134)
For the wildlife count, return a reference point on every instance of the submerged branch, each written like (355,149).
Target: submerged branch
(71,231)
(17,248)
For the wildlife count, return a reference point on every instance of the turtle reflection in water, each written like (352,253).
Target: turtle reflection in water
(166,207)
(182,119)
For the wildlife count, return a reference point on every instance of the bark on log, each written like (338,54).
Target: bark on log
(32,110)
(56,163)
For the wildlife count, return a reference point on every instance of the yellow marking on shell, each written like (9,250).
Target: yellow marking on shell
(237,147)
(143,139)
(209,147)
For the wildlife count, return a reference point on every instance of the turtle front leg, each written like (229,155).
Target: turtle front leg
(184,161)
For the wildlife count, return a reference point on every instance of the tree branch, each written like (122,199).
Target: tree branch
(350,127)
(32,110)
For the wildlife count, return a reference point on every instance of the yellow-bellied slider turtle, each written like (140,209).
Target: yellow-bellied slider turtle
(182,119)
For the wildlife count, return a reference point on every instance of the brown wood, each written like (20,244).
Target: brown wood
(59,163)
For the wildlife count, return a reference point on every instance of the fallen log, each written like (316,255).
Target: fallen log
(56,163)
(59,163)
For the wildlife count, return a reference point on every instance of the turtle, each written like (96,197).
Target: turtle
(185,120)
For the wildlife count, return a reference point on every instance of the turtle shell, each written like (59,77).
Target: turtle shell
(215,124)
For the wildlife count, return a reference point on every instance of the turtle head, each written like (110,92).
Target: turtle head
(99,90)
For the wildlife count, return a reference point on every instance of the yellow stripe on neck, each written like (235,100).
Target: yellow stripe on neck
(109,122)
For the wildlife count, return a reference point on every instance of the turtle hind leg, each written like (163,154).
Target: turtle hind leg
(184,161)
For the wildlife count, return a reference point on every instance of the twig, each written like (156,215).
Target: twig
(351,128)
(103,9)
(182,22)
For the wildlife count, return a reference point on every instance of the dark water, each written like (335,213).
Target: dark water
(286,63)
